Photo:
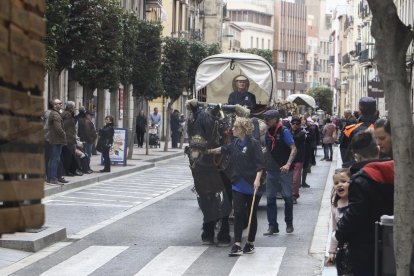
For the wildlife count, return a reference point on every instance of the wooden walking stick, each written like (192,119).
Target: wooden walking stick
(251,211)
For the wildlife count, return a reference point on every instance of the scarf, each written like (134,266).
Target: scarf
(272,136)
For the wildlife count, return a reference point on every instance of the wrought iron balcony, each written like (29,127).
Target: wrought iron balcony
(367,55)
(153,3)
(196,34)
(363,9)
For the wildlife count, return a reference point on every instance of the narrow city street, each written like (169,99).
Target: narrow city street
(149,223)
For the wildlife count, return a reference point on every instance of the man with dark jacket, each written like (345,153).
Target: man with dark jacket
(140,127)
(241,95)
(81,114)
(371,195)
(281,152)
(57,139)
(175,125)
(68,151)
(87,132)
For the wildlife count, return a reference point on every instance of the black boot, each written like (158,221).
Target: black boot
(223,237)
(207,236)
(304,175)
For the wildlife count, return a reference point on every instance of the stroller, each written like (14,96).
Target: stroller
(154,140)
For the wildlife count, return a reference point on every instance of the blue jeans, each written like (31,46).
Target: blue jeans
(327,151)
(285,181)
(88,149)
(54,160)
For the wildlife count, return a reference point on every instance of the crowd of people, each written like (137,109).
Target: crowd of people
(362,192)
(69,141)
(177,122)
(290,150)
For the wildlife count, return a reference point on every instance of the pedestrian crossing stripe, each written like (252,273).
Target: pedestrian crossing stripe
(85,262)
(174,260)
(265,262)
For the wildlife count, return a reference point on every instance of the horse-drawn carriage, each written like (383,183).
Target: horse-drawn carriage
(209,126)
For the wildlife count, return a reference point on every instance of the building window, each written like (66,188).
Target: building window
(281,58)
(301,58)
(251,42)
(268,44)
(262,43)
(289,76)
(280,75)
(299,77)
(257,42)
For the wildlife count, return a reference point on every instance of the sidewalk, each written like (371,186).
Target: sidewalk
(140,161)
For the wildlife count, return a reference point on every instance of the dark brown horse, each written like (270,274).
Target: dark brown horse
(208,128)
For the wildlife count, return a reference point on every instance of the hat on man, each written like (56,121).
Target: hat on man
(271,114)
(367,106)
(241,78)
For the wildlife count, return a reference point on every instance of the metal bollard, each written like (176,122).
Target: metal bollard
(384,247)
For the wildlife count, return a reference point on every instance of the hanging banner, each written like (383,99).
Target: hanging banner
(118,151)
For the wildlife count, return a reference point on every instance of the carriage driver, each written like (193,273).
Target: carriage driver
(241,96)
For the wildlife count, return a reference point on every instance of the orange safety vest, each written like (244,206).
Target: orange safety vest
(349,129)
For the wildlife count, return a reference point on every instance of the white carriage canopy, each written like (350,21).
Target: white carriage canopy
(302,99)
(217,72)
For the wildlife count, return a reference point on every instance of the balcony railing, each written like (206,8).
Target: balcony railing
(363,9)
(316,68)
(153,3)
(376,88)
(367,55)
(196,34)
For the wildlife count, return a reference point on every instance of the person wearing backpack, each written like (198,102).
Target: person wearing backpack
(367,111)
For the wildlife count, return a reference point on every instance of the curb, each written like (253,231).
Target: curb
(321,233)
(33,242)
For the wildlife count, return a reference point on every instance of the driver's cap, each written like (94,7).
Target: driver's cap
(241,78)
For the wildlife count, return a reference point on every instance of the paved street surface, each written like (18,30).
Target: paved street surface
(149,223)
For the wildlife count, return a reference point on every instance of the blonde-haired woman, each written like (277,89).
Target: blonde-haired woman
(247,161)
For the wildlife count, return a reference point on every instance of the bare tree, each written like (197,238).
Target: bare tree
(392,39)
